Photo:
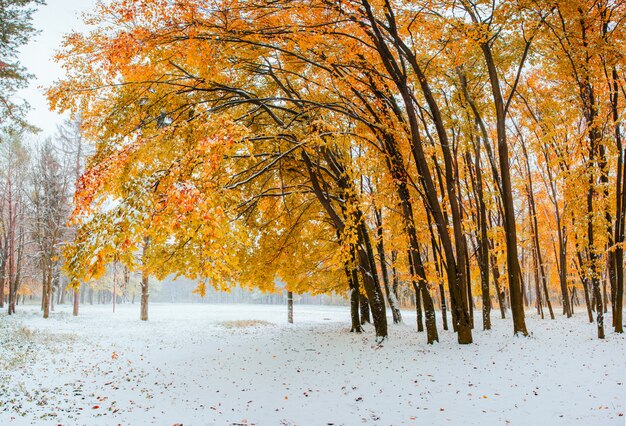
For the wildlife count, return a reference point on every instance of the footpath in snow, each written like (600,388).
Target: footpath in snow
(197,364)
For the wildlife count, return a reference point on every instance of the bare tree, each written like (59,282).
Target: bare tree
(74,150)
(12,212)
(49,211)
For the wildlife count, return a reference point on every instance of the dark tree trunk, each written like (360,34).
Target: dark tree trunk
(496,280)
(365,310)
(418,309)
(539,267)
(392,298)
(513,271)
(605,298)
(353,282)
(470,295)
(618,290)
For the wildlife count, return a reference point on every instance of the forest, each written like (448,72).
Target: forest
(468,151)
(463,155)
(429,173)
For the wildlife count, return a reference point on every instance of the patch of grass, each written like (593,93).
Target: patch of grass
(27,335)
(245,323)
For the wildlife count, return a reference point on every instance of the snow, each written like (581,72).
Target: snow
(201,364)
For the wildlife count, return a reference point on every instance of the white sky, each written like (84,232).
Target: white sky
(54,20)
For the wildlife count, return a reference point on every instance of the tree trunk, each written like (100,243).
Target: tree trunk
(605,298)
(442,295)
(354,293)
(510,227)
(290,307)
(114,296)
(51,294)
(145,293)
(144,296)
(76,300)
(418,308)
(392,298)
(364,305)
(618,299)
(47,297)
(2,281)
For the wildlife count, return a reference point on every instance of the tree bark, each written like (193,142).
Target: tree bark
(618,298)
(513,271)
(76,300)
(392,298)
(145,276)
(364,306)
(290,307)
(353,282)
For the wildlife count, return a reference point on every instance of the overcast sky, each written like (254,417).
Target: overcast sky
(56,18)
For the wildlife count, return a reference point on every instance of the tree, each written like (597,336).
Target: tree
(13,208)
(304,141)
(15,31)
(49,212)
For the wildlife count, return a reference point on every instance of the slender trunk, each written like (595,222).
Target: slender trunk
(539,267)
(290,307)
(605,298)
(593,257)
(496,276)
(595,159)
(51,292)
(439,270)
(145,276)
(538,302)
(418,299)
(380,247)
(418,309)
(114,295)
(145,294)
(3,271)
(567,309)
(76,300)
(470,296)
(442,295)
(618,299)
(353,282)
(47,294)
(513,271)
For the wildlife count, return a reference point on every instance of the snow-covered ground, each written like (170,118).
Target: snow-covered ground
(202,365)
